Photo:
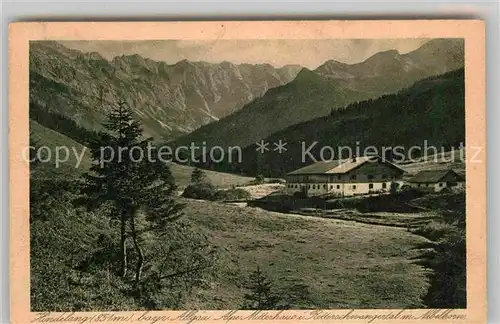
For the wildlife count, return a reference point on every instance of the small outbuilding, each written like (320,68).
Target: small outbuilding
(436,180)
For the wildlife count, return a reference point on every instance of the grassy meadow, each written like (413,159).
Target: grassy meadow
(329,263)
(182,173)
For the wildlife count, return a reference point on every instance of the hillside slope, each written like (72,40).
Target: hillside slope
(389,71)
(56,141)
(309,95)
(79,156)
(432,110)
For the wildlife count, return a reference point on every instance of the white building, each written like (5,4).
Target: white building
(436,180)
(358,175)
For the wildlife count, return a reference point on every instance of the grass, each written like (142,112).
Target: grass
(343,264)
(404,220)
(52,139)
(182,175)
(448,160)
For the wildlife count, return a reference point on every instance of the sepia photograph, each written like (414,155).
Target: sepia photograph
(269,174)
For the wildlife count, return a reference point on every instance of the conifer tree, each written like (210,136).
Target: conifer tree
(261,295)
(197,176)
(124,177)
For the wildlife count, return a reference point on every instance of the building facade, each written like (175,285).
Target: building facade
(356,176)
(436,180)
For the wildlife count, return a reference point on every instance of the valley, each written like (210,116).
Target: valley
(380,250)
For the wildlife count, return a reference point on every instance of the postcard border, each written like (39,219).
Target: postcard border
(473,31)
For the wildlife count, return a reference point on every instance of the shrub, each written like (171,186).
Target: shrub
(448,258)
(201,190)
(231,194)
(299,194)
(448,282)
(434,230)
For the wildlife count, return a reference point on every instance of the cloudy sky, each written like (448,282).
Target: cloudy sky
(308,53)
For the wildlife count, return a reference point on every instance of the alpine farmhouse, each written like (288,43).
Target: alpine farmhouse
(436,180)
(349,177)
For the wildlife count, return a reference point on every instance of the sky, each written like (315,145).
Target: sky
(308,53)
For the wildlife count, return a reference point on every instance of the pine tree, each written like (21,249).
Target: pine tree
(261,295)
(197,176)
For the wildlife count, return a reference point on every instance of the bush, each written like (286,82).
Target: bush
(448,258)
(434,230)
(207,191)
(299,194)
(201,190)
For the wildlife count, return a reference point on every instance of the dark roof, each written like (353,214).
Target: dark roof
(318,167)
(338,166)
(433,176)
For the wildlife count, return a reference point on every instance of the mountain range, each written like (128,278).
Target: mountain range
(331,86)
(389,71)
(170,100)
(238,105)
(432,110)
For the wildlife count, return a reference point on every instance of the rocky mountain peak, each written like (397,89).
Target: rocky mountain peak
(170,100)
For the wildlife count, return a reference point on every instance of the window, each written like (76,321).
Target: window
(331,186)
(419,185)
(309,186)
(353,177)
(338,186)
(384,185)
(370,186)
(324,186)
(339,177)
(441,184)
(314,186)
(354,187)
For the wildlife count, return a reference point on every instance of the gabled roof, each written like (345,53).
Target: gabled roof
(433,176)
(339,166)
